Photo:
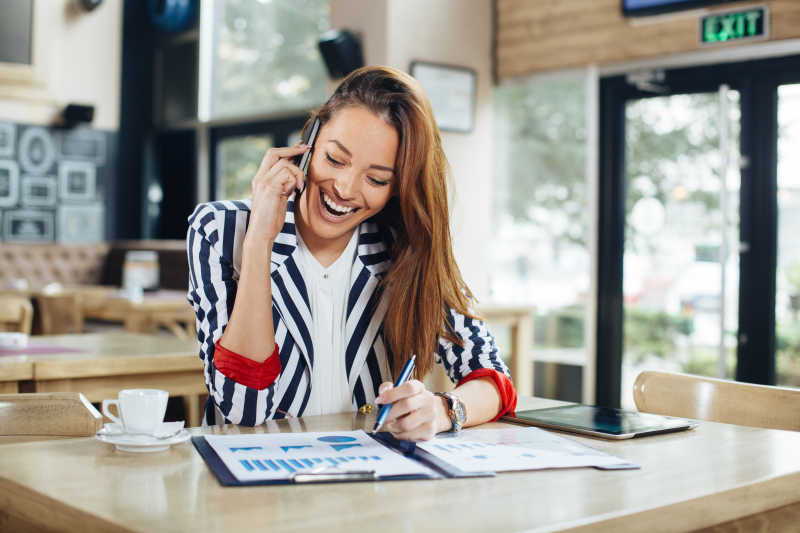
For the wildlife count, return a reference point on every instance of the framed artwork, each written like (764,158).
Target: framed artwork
(37,152)
(83,144)
(77,180)
(80,223)
(9,183)
(38,191)
(451,90)
(8,134)
(26,225)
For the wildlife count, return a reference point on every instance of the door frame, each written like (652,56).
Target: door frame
(757,82)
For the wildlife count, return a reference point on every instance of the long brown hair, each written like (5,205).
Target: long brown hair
(424,279)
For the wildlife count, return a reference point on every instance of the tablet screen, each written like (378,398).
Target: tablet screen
(602,419)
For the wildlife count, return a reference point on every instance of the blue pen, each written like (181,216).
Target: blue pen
(404,374)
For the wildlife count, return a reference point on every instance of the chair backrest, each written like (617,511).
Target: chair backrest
(717,400)
(60,313)
(16,314)
(66,414)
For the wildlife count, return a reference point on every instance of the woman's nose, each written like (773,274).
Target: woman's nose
(345,185)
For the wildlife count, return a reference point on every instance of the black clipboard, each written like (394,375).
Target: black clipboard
(439,469)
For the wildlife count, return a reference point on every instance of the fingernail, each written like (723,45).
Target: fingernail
(379,399)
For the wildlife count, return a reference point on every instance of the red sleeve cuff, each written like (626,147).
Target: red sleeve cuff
(246,371)
(508,396)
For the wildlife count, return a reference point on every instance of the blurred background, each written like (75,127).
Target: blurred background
(626,172)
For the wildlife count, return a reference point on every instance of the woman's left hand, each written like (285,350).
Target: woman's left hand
(416,414)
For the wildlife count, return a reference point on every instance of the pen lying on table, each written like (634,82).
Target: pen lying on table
(402,378)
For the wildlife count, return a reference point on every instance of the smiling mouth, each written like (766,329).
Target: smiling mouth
(333,208)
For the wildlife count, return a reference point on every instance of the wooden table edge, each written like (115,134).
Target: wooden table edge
(114,366)
(22,509)
(702,511)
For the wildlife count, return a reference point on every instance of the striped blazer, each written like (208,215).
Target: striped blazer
(214,245)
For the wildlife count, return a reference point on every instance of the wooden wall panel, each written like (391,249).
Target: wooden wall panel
(539,35)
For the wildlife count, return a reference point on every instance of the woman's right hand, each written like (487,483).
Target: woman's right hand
(274,182)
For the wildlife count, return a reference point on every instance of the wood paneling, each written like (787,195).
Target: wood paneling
(540,35)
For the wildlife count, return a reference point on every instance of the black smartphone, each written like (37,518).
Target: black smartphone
(304,159)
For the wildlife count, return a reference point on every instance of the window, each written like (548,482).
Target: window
(787,309)
(265,57)
(540,255)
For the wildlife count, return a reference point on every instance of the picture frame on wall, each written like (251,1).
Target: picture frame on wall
(9,183)
(8,136)
(77,181)
(39,191)
(451,90)
(80,224)
(83,144)
(27,225)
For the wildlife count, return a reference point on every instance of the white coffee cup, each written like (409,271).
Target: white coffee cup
(140,410)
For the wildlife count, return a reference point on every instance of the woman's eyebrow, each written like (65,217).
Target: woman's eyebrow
(347,152)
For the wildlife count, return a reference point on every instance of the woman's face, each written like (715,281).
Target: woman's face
(351,175)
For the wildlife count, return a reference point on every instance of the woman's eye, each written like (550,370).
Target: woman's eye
(378,182)
(333,161)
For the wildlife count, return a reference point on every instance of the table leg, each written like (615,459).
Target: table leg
(521,362)
(191,403)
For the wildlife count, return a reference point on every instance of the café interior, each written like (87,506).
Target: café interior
(624,190)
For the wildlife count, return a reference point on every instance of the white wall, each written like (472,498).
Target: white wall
(457,32)
(79,56)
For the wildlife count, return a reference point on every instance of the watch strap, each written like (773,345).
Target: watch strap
(452,410)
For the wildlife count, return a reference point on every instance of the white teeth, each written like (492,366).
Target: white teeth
(336,207)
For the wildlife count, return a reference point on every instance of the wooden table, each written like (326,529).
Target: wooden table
(100,364)
(168,308)
(689,480)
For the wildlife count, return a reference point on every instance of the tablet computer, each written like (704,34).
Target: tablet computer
(605,422)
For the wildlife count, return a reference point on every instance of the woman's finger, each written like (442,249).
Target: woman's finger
(403,407)
(409,388)
(295,172)
(283,177)
(273,155)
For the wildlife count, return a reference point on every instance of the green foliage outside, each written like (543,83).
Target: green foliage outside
(267,58)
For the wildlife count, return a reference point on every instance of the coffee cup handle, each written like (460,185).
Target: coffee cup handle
(108,402)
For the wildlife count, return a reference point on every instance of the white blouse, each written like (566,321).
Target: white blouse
(327,292)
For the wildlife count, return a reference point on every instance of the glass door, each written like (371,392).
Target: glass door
(787,301)
(681,231)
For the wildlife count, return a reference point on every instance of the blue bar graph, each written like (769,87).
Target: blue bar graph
(274,464)
(286,466)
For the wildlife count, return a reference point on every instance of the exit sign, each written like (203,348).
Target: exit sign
(735,25)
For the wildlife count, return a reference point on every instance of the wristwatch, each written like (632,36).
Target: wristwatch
(456,410)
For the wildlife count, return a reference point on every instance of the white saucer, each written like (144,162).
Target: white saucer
(113,434)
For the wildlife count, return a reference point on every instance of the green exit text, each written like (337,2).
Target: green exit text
(733,26)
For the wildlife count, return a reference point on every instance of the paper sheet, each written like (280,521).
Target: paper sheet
(275,456)
(522,448)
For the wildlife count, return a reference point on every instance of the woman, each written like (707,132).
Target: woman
(308,303)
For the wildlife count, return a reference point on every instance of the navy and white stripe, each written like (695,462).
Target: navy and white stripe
(214,241)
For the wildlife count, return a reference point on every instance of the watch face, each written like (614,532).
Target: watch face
(461,413)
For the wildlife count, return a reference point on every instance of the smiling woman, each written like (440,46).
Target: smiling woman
(354,276)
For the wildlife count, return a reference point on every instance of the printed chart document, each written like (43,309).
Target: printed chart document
(507,449)
(275,456)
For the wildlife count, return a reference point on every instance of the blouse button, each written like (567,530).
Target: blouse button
(325,275)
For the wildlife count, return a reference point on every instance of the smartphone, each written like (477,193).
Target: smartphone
(304,159)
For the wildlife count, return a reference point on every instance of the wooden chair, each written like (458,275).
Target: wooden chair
(16,314)
(717,400)
(39,415)
(60,313)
